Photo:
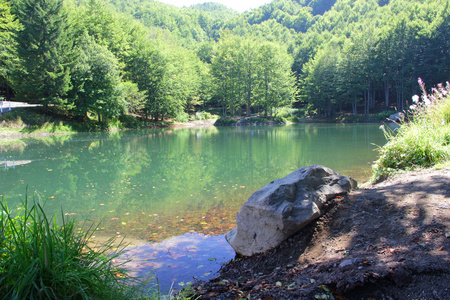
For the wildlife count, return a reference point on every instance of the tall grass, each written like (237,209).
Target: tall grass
(421,141)
(41,259)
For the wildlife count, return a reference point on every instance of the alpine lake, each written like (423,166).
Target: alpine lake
(173,193)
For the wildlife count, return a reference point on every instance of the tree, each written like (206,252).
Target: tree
(227,72)
(134,99)
(319,82)
(145,67)
(9,25)
(46,53)
(248,60)
(252,74)
(97,82)
(276,80)
(107,27)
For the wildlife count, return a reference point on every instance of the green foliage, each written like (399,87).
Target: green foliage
(45,50)
(382,116)
(134,99)
(182,117)
(293,114)
(8,27)
(347,55)
(198,116)
(290,14)
(42,259)
(225,121)
(250,74)
(361,54)
(256,120)
(32,121)
(422,142)
(204,115)
(97,83)
(215,11)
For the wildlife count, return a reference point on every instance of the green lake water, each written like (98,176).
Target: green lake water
(177,189)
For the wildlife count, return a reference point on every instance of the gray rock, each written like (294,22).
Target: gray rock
(349,262)
(283,207)
(397,117)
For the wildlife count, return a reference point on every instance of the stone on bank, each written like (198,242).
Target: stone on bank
(283,207)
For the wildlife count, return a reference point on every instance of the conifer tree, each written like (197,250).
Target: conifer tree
(44,49)
(8,26)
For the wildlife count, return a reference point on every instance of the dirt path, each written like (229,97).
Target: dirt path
(388,241)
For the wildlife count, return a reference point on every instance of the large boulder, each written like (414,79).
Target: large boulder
(283,207)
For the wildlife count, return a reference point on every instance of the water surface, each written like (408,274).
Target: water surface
(154,185)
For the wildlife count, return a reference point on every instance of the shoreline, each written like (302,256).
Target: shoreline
(189,124)
(389,240)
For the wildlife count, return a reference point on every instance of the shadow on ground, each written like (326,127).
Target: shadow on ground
(389,241)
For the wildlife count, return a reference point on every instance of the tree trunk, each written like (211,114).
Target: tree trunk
(386,92)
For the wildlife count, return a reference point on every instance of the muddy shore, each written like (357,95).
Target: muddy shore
(387,241)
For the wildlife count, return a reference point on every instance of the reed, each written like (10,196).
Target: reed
(43,259)
(423,140)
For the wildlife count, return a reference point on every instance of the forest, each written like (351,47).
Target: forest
(104,60)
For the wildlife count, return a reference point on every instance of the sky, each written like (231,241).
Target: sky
(237,5)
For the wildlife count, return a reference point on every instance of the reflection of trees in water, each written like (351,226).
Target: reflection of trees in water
(199,175)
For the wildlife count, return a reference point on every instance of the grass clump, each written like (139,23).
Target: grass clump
(30,120)
(423,140)
(41,259)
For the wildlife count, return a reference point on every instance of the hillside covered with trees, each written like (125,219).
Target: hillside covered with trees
(104,60)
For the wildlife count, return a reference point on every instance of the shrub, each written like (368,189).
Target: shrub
(279,119)
(256,120)
(382,115)
(423,141)
(225,121)
(40,259)
(286,112)
(131,121)
(182,117)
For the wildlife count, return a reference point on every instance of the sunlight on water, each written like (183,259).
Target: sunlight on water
(153,185)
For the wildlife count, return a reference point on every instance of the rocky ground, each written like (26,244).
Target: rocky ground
(388,241)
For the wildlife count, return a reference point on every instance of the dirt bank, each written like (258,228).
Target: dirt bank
(387,241)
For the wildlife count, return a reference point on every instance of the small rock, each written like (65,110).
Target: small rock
(349,262)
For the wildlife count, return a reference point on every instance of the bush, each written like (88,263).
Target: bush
(423,141)
(256,120)
(202,115)
(279,119)
(286,112)
(225,121)
(182,117)
(131,122)
(40,259)
(382,116)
